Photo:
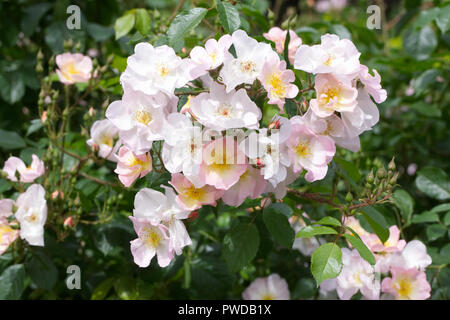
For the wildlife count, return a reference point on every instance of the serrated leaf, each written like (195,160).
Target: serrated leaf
(183,23)
(240,246)
(279,226)
(434,182)
(326,262)
(363,251)
(228,16)
(311,231)
(124,24)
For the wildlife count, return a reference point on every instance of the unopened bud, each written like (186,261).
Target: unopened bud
(349,197)
(391,165)
(370,177)
(259,163)
(69,223)
(193,215)
(381,173)
(274,125)
(394,179)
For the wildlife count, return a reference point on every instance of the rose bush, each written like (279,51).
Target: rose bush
(197,150)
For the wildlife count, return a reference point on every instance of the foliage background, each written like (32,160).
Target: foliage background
(410,51)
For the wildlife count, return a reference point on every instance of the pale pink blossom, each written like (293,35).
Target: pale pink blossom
(152,240)
(372,84)
(309,151)
(414,255)
(328,5)
(407,284)
(250,57)
(251,185)
(277,80)
(363,117)
(211,56)
(333,94)
(223,163)
(31,214)
(278,36)
(189,197)
(27,174)
(220,110)
(355,225)
(182,149)
(6,208)
(103,134)
(73,67)
(7,235)
(356,275)
(131,166)
(272,287)
(337,56)
(392,244)
(140,118)
(159,208)
(153,69)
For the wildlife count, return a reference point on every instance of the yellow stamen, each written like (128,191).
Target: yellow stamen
(302,149)
(143,117)
(278,87)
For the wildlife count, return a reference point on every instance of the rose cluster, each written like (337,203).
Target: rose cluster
(397,274)
(214,146)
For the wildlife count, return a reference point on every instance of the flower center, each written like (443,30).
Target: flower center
(329,96)
(151,237)
(225,110)
(248,66)
(194,193)
(267,296)
(34,217)
(403,287)
(278,88)
(163,69)
(143,117)
(302,149)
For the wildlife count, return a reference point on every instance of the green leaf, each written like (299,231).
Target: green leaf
(376,222)
(425,17)
(240,246)
(423,81)
(228,16)
(11,140)
(125,288)
(42,271)
(420,44)
(98,32)
(352,170)
(12,282)
(405,203)
(279,226)
(183,23)
(330,221)
(341,31)
(364,252)
(435,231)
(36,124)
(12,87)
(446,219)
(142,21)
(426,216)
(443,19)
(32,16)
(124,24)
(282,208)
(102,289)
(441,208)
(434,182)
(426,109)
(310,231)
(326,262)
